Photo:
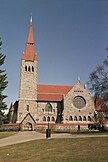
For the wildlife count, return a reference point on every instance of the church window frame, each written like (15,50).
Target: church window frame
(28,108)
(75,118)
(48,119)
(80,118)
(70,118)
(84,118)
(89,118)
(44,119)
(53,119)
(29,69)
(32,69)
(25,68)
(53,110)
(48,107)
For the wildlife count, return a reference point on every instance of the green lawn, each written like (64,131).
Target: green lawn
(6,134)
(57,150)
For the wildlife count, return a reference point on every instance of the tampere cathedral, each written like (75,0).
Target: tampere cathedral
(41,104)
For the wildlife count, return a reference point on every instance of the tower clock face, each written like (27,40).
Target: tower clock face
(79,102)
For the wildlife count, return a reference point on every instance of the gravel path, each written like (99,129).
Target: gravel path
(32,135)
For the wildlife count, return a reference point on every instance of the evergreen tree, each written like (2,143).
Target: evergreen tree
(3,85)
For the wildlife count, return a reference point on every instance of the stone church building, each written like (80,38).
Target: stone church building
(39,104)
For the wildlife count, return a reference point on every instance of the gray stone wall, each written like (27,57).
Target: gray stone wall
(28,80)
(71,110)
(23,109)
(42,114)
(28,90)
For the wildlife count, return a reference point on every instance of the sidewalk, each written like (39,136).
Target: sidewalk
(21,137)
(32,135)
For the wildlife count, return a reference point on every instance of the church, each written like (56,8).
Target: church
(39,105)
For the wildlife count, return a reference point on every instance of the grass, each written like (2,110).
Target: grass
(91,132)
(57,150)
(6,134)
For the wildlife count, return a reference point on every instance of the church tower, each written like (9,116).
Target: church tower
(28,79)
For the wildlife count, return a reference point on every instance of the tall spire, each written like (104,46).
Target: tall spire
(29,54)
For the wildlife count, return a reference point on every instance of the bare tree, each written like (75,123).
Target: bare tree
(98,81)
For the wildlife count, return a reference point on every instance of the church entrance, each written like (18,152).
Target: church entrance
(28,127)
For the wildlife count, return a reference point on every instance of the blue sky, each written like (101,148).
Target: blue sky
(70,39)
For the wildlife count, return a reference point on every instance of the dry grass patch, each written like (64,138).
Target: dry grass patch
(6,134)
(57,150)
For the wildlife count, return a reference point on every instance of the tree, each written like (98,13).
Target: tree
(3,85)
(99,81)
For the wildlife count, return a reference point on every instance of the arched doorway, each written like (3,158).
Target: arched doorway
(28,127)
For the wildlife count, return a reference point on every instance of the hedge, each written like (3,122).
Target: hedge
(9,127)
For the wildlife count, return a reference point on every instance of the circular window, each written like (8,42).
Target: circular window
(79,102)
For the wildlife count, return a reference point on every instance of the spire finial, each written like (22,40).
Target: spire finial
(31,18)
(78,78)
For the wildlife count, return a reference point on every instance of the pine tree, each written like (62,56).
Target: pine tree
(3,85)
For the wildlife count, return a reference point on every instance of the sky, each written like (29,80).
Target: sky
(70,36)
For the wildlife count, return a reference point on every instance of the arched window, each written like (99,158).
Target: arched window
(53,119)
(70,118)
(32,69)
(84,118)
(89,118)
(80,118)
(29,68)
(48,119)
(25,68)
(48,107)
(75,118)
(27,107)
(44,118)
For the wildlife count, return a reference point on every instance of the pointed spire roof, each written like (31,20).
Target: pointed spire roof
(30,38)
(29,54)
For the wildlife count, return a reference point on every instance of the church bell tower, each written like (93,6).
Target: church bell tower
(28,79)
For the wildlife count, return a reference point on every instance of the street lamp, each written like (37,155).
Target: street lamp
(48,130)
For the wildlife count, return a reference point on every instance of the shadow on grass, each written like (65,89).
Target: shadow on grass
(94,132)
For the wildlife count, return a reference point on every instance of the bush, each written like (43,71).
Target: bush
(9,127)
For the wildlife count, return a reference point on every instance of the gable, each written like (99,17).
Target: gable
(28,118)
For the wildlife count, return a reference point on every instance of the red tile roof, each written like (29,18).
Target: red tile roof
(52,92)
(50,97)
(53,89)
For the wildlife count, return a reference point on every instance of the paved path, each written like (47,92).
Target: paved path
(32,135)
(21,137)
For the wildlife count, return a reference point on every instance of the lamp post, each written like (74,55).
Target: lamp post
(48,130)
(48,118)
